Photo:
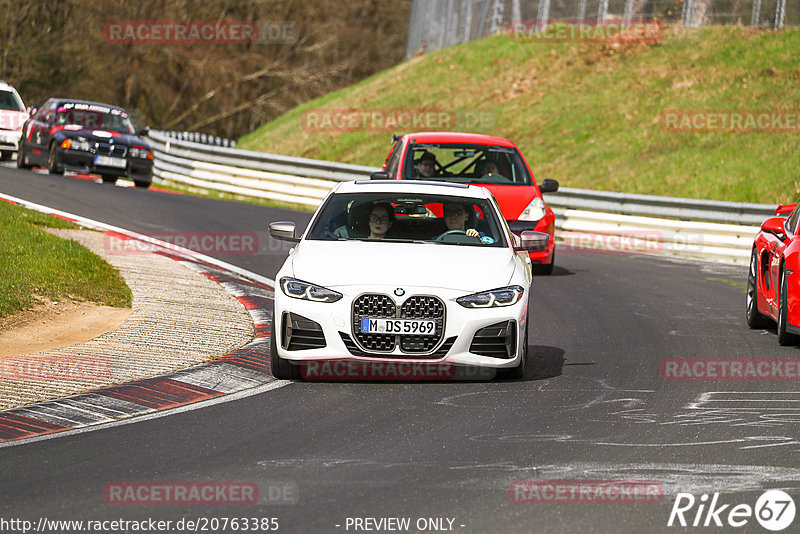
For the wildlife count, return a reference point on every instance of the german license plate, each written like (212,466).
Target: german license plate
(418,327)
(107,161)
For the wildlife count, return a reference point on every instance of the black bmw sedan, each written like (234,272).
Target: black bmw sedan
(88,137)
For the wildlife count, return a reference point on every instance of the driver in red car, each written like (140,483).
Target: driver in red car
(426,165)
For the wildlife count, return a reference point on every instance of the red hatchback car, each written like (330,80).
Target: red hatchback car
(773,290)
(484,160)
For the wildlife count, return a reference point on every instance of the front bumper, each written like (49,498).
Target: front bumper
(9,140)
(334,323)
(139,169)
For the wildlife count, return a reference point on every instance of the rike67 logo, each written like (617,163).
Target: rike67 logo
(774,510)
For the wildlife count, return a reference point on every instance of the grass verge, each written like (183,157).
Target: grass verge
(34,263)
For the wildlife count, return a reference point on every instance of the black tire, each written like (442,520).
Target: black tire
(754,319)
(143,185)
(784,337)
(109,179)
(52,161)
(518,372)
(281,369)
(21,158)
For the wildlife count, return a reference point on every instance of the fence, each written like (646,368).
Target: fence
(707,229)
(435,24)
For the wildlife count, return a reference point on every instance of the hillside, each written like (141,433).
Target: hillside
(592,115)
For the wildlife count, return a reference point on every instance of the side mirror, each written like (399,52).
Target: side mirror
(775,226)
(548,186)
(531,241)
(379,175)
(283,230)
(32,110)
(143,132)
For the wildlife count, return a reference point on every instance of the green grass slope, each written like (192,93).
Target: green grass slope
(590,114)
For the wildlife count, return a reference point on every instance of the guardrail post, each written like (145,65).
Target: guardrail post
(688,14)
(602,11)
(628,13)
(780,14)
(755,19)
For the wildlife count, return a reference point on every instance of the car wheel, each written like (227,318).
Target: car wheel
(516,373)
(21,158)
(754,319)
(282,369)
(141,184)
(53,166)
(784,337)
(109,179)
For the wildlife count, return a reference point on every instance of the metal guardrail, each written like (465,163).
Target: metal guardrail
(708,229)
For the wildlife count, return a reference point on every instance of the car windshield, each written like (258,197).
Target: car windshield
(10,101)
(465,163)
(94,117)
(408,218)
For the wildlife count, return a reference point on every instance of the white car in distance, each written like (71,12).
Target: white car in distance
(408,274)
(12,116)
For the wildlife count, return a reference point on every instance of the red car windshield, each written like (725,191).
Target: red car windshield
(465,163)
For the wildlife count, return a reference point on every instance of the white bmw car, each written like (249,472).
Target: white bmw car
(398,277)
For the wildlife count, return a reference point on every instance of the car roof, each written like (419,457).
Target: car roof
(87,102)
(413,187)
(459,137)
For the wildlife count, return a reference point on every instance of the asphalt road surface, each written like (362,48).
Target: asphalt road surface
(444,455)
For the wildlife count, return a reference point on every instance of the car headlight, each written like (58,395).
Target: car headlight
(76,144)
(505,296)
(298,289)
(141,152)
(534,211)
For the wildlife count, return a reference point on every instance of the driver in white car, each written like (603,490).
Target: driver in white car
(455,217)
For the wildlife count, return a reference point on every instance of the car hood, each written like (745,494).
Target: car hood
(463,268)
(98,134)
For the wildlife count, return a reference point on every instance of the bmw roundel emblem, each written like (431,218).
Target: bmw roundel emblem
(399,292)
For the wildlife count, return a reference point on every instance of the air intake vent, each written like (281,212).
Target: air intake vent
(300,333)
(497,341)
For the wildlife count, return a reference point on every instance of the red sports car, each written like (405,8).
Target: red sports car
(773,291)
(488,161)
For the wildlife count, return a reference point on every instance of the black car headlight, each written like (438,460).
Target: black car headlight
(298,289)
(504,296)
